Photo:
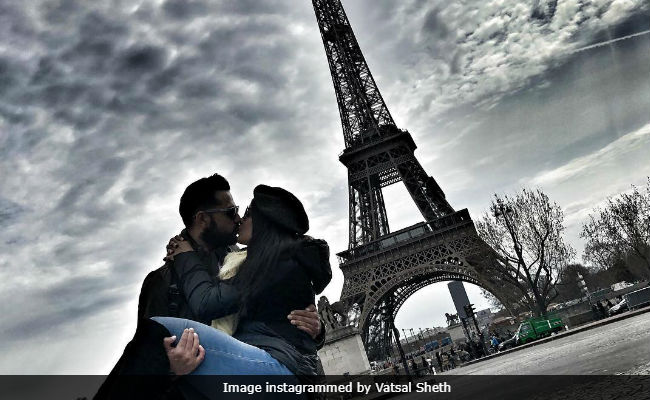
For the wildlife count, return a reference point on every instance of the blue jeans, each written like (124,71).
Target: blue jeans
(225,355)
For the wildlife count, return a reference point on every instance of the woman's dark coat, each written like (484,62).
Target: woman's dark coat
(300,275)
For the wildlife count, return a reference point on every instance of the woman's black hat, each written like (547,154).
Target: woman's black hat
(281,207)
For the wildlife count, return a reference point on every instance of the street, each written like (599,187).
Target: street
(622,347)
(619,349)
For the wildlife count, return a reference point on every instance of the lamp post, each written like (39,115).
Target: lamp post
(466,329)
(399,347)
(469,310)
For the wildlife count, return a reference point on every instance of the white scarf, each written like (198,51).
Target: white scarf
(231,264)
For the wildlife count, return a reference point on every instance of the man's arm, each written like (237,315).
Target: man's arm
(207,298)
(153,296)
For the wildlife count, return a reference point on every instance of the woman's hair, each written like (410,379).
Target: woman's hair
(268,243)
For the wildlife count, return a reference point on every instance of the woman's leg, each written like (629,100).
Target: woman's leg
(225,355)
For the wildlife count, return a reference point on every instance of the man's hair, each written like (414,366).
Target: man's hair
(199,195)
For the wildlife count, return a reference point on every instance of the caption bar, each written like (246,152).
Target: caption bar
(357,387)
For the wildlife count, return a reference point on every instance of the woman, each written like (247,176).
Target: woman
(281,271)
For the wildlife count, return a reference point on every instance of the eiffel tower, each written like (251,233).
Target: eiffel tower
(381,268)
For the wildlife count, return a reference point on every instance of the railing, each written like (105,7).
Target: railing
(418,230)
(364,140)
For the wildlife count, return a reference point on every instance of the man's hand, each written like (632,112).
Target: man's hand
(177,245)
(188,353)
(306,320)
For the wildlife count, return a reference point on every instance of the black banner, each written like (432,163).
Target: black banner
(451,387)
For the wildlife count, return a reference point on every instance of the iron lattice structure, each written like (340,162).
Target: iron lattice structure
(382,269)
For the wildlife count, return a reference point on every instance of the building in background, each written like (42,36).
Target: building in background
(459,297)
(484,318)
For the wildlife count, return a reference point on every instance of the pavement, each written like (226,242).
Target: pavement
(562,335)
(615,346)
(607,347)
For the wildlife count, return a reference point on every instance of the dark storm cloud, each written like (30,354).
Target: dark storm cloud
(95,25)
(200,88)
(112,104)
(544,10)
(92,47)
(66,304)
(183,9)
(556,135)
(8,74)
(231,45)
(9,211)
(139,60)
(434,24)
(109,109)
(20,144)
(60,12)
(101,176)
(166,78)
(14,23)
(466,53)
(253,7)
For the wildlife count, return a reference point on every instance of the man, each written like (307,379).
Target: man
(439,359)
(211,222)
(425,365)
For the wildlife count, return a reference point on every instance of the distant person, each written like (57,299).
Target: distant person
(452,360)
(494,342)
(425,365)
(601,309)
(439,360)
(414,366)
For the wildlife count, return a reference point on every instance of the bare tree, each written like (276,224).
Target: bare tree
(526,233)
(491,299)
(621,228)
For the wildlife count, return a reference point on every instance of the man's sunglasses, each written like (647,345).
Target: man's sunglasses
(230,212)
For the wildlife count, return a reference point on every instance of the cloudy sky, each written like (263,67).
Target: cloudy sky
(109,109)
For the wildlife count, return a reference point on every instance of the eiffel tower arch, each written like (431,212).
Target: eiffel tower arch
(381,268)
(406,261)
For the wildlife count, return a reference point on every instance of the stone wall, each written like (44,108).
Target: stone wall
(344,353)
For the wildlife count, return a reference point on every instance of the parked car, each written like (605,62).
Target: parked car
(508,343)
(618,308)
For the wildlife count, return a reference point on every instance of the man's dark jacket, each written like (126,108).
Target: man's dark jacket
(161,294)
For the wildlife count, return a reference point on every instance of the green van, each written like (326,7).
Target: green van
(536,328)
